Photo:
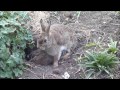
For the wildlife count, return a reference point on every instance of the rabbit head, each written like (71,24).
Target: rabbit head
(43,39)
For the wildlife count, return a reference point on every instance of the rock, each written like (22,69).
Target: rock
(66,75)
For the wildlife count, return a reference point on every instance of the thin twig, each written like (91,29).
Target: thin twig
(29,65)
(54,75)
(32,72)
(43,76)
(115,24)
(78,70)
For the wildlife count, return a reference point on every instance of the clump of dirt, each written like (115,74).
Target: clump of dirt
(90,26)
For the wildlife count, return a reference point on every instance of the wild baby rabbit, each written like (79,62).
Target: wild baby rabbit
(54,39)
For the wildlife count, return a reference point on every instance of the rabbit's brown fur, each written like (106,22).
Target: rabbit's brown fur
(54,39)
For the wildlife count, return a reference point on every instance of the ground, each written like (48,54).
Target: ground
(89,26)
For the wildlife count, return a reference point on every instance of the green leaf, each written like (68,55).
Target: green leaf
(8,30)
(90,56)
(3,23)
(2,65)
(91,44)
(13,22)
(112,46)
(2,74)
(4,52)
(10,63)
(89,74)
(6,74)
(17,72)
(1,13)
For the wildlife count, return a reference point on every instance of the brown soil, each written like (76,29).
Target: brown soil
(89,27)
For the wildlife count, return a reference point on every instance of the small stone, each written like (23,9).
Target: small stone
(66,75)
(56,71)
(104,22)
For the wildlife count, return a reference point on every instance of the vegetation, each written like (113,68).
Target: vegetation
(118,12)
(13,39)
(102,61)
(112,47)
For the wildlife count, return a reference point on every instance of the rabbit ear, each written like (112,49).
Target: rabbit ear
(42,25)
(48,28)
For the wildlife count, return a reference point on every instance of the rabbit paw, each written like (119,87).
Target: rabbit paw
(55,64)
(65,57)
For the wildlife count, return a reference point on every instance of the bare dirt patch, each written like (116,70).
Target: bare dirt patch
(90,26)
